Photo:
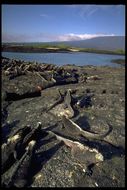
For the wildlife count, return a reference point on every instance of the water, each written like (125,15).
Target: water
(77,58)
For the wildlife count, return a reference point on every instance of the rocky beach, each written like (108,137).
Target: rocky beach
(62,126)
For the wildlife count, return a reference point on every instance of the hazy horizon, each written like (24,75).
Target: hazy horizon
(60,41)
(52,23)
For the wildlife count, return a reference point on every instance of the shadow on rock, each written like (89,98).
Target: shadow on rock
(83,123)
(42,159)
(50,128)
(85,101)
(4,115)
(14,96)
(4,110)
(44,142)
(108,150)
(6,129)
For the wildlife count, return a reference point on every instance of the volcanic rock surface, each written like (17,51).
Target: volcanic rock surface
(43,146)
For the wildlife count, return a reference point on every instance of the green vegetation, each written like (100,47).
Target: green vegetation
(60,46)
(119,61)
(120,51)
(92,50)
(45,45)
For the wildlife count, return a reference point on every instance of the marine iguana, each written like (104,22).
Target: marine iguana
(75,129)
(17,176)
(63,105)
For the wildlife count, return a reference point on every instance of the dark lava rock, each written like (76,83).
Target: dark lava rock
(51,161)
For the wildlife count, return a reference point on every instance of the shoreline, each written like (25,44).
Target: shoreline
(115,61)
(32,93)
(23,49)
(119,61)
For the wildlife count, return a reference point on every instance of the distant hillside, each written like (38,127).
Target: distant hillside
(104,43)
(100,43)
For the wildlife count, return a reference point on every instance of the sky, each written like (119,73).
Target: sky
(45,23)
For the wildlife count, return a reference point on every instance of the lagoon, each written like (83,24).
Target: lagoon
(77,58)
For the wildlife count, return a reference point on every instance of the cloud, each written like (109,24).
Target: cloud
(44,15)
(85,11)
(44,37)
(16,37)
(70,37)
(6,37)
